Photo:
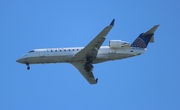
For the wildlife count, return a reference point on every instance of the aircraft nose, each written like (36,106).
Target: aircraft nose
(17,60)
(20,60)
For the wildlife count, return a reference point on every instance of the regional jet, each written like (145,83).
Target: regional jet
(83,58)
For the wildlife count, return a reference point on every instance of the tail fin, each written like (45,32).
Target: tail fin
(143,39)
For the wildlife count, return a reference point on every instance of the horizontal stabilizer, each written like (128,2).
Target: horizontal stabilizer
(152,30)
(144,38)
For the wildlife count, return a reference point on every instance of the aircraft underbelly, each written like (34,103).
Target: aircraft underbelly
(108,57)
(48,59)
(118,56)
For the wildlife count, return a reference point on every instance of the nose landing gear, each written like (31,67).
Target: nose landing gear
(28,67)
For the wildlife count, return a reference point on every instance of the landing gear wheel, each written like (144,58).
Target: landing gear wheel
(28,68)
(88,67)
(89,59)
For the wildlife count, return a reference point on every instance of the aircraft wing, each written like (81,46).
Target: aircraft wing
(92,48)
(87,75)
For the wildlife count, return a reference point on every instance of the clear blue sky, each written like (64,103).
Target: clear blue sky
(147,82)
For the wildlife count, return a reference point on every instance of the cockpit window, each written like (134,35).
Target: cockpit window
(31,51)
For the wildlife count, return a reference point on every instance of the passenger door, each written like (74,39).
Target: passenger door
(41,53)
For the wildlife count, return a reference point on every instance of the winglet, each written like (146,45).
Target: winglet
(112,22)
(96,80)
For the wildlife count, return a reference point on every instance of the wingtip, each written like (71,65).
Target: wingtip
(96,80)
(112,22)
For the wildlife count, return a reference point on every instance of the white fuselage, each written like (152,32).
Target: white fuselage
(61,55)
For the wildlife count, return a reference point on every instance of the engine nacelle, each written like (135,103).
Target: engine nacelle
(118,44)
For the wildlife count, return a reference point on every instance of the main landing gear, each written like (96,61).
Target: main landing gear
(28,67)
(88,65)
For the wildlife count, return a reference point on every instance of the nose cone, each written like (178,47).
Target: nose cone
(20,60)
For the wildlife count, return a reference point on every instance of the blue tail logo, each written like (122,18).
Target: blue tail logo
(143,39)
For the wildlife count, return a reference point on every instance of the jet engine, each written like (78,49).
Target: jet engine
(118,44)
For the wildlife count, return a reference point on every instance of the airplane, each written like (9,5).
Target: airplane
(83,58)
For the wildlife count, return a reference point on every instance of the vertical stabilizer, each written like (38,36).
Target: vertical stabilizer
(143,39)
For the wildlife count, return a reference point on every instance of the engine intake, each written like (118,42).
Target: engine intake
(118,44)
